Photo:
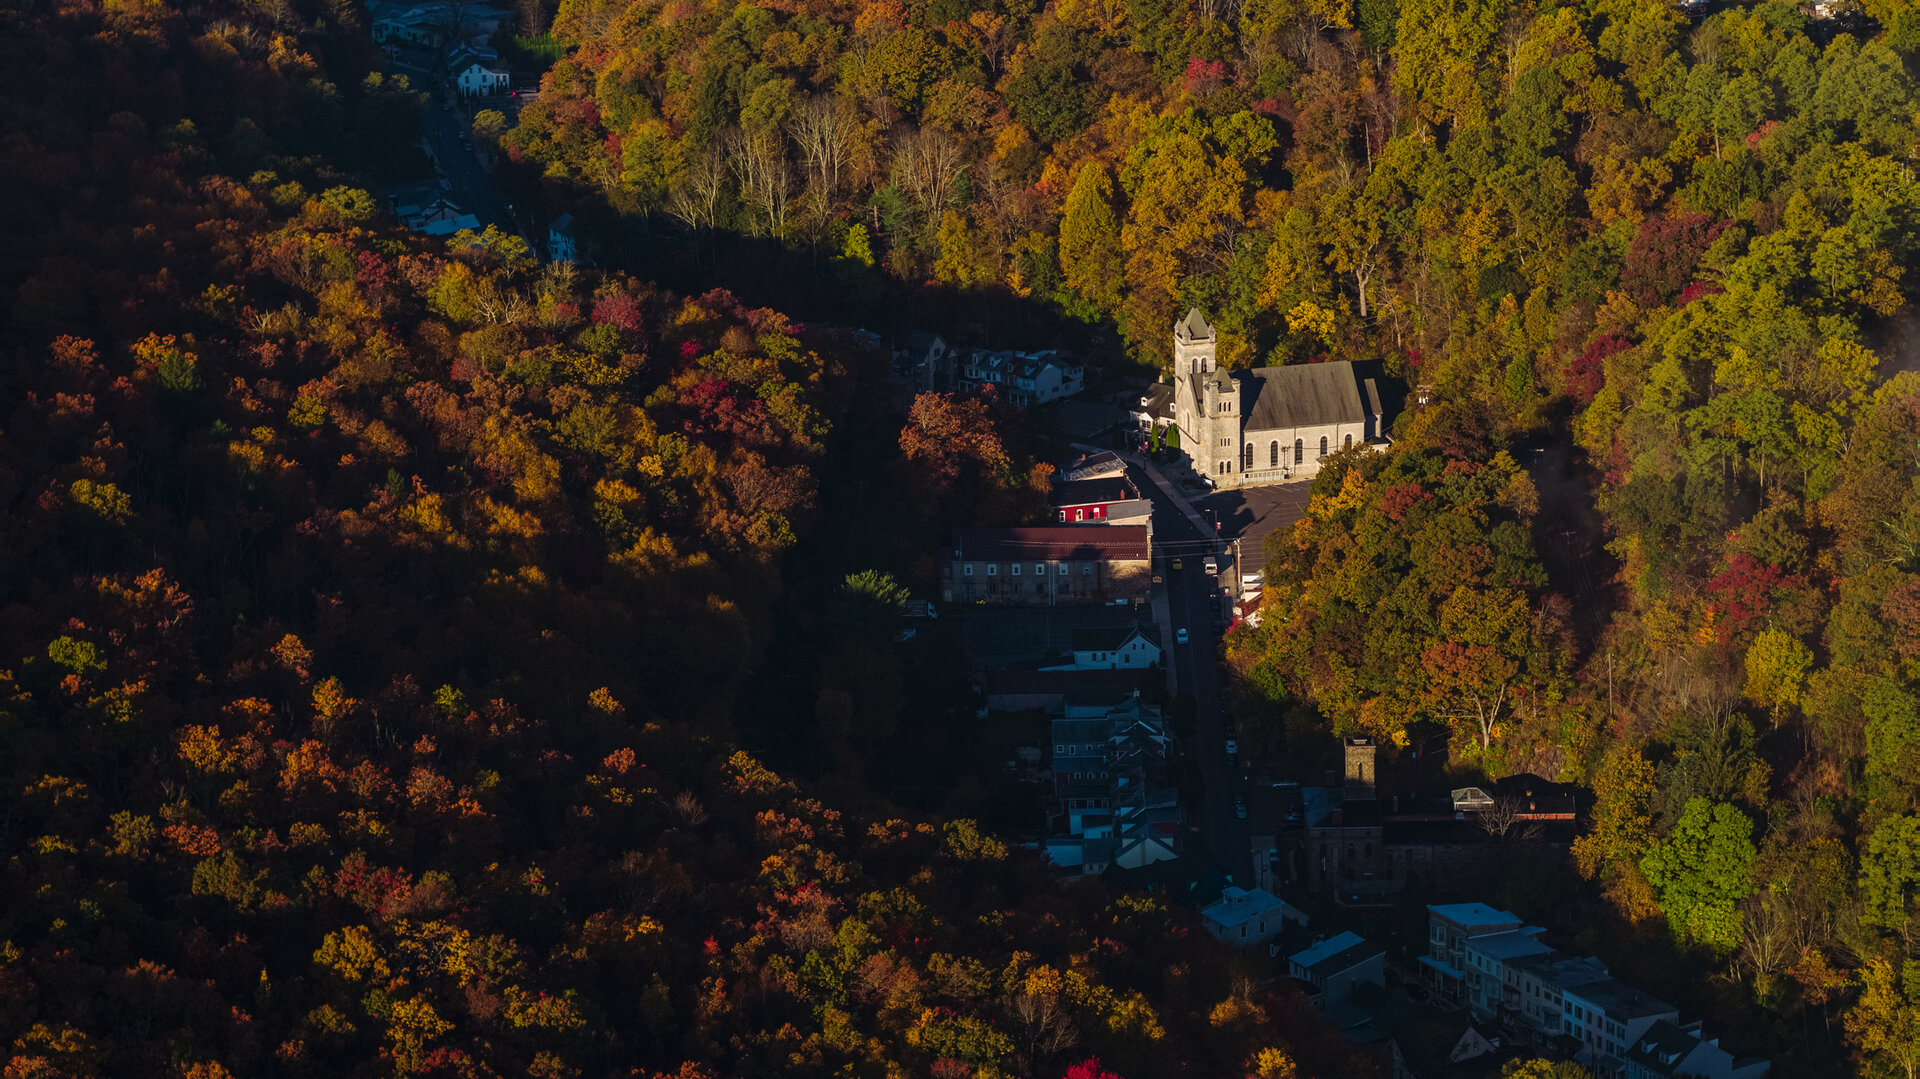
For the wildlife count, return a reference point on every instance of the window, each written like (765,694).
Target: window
(1226,442)
(1079,515)
(1246,457)
(1063,569)
(1039,569)
(966,570)
(993,569)
(1273,454)
(1348,444)
(1016,569)
(1323,445)
(1086,569)
(1299,452)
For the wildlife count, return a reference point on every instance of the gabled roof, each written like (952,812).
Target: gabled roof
(1336,954)
(1088,492)
(1194,327)
(1057,544)
(1113,638)
(1157,400)
(1304,395)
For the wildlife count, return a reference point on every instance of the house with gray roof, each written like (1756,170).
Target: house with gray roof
(1332,967)
(1270,425)
(1669,1049)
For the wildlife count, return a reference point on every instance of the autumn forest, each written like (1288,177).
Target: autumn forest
(423,657)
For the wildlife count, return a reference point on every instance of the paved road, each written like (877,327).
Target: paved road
(473,189)
(1197,672)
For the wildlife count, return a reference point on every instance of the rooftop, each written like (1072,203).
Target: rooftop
(1473,915)
(1622,1001)
(1302,395)
(1335,954)
(1052,544)
(1237,906)
(1113,638)
(1510,945)
(1194,327)
(1087,492)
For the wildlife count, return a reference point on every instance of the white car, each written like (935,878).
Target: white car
(1180,636)
(1233,749)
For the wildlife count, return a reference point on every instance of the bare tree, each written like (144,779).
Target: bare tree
(927,163)
(759,163)
(1766,935)
(823,130)
(695,200)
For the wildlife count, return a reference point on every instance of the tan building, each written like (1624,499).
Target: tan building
(1045,567)
(1271,424)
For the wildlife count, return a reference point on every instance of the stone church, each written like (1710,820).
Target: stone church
(1272,424)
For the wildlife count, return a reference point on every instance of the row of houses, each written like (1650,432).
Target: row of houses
(1115,804)
(927,362)
(1497,967)
(434,23)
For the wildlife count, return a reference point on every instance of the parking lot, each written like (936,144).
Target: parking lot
(1252,514)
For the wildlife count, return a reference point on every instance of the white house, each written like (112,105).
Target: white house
(1334,966)
(560,241)
(1244,918)
(1022,378)
(1669,1049)
(1271,424)
(1609,1018)
(480,79)
(1130,647)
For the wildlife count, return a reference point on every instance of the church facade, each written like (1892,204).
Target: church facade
(1268,425)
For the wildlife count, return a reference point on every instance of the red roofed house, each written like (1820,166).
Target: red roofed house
(1045,567)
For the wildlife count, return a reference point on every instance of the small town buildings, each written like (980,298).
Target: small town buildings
(433,216)
(433,23)
(1025,690)
(1131,647)
(1110,767)
(1267,425)
(1450,927)
(1244,918)
(1022,378)
(1541,981)
(924,362)
(561,245)
(1493,984)
(1668,1049)
(1095,501)
(1155,409)
(1333,967)
(479,79)
(1364,847)
(1094,466)
(1608,1018)
(1048,566)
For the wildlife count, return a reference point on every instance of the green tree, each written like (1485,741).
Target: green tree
(1702,871)
(1090,237)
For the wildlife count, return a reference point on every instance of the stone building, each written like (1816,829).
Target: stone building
(1271,424)
(1046,567)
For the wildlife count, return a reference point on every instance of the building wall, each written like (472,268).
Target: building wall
(1083,582)
(1337,856)
(1339,987)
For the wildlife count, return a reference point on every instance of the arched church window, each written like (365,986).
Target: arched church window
(1299,452)
(1246,457)
(1348,444)
(1323,445)
(1273,454)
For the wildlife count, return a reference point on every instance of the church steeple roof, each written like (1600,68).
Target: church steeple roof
(1194,327)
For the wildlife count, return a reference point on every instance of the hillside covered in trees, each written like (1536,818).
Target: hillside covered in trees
(1672,252)
(376,614)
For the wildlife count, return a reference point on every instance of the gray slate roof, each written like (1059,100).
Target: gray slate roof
(1194,327)
(1304,395)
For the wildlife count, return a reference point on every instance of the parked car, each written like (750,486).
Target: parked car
(1179,565)
(1212,564)
(1240,807)
(1233,749)
(1180,635)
